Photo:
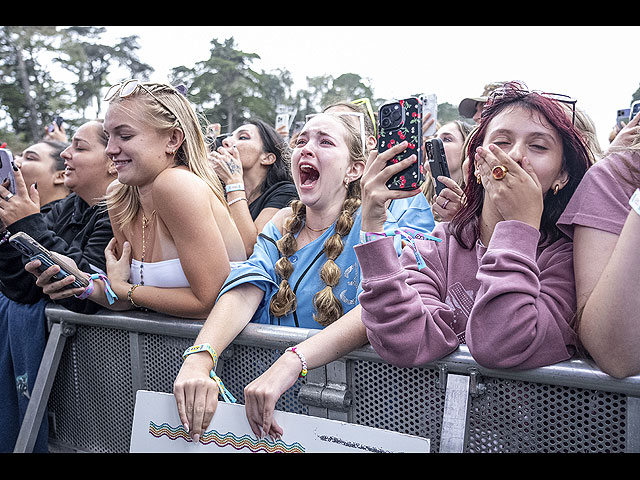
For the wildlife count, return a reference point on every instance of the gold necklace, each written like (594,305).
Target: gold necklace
(145,223)
(314,230)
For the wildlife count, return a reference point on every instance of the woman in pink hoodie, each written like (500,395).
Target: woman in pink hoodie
(501,280)
(501,277)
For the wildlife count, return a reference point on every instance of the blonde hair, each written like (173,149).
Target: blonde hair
(327,305)
(164,109)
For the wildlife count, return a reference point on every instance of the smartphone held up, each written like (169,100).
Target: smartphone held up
(399,121)
(437,162)
(7,177)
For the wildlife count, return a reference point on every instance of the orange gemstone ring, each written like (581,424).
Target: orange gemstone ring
(499,172)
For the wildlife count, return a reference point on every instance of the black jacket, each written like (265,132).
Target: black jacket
(70,227)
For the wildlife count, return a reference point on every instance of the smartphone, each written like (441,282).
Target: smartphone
(7,177)
(430,104)
(437,161)
(218,141)
(400,120)
(285,119)
(32,249)
(635,108)
(622,116)
(58,121)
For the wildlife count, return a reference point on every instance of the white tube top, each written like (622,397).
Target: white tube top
(165,274)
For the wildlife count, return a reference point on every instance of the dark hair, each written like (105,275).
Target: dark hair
(272,142)
(575,161)
(57,148)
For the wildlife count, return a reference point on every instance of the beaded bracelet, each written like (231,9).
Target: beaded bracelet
(234,187)
(205,347)
(130,295)
(303,372)
(236,200)
(5,237)
(634,201)
(111,295)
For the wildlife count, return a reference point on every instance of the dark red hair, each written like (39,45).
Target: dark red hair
(575,161)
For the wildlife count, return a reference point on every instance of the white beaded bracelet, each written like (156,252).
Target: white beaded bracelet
(237,200)
(303,372)
(634,201)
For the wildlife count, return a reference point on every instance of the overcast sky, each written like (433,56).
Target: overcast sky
(597,65)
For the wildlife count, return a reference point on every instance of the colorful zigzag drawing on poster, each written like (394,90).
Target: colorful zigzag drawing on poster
(226,439)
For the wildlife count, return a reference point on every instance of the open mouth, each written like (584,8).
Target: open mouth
(308,175)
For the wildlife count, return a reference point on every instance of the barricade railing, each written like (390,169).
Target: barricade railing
(94,364)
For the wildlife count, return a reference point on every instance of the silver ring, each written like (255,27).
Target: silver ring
(446,202)
(8,197)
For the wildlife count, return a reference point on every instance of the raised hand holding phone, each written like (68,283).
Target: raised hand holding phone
(374,180)
(24,202)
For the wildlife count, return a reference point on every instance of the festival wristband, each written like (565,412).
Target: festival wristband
(634,201)
(408,235)
(111,295)
(303,372)
(205,347)
(371,236)
(234,187)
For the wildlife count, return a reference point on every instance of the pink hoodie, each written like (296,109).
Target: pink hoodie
(512,302)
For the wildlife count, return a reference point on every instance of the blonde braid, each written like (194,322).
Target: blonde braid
(284,301)
(327,305)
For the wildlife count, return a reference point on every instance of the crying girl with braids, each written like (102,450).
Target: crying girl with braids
(303,271)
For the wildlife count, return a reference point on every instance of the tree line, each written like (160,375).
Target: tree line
(48,71)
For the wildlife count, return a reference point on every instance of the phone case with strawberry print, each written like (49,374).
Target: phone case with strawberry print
(399,121)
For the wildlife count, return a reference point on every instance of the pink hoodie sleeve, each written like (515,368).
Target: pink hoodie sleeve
(407,322)
(522,312)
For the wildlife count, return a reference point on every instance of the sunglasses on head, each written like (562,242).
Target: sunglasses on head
(129,87)
(367,103)
(514,93)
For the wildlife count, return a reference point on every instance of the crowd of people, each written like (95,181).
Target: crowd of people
(527,256)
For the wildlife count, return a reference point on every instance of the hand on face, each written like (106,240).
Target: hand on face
(516,194)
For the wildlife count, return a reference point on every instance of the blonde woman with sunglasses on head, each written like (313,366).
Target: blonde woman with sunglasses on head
(172,229)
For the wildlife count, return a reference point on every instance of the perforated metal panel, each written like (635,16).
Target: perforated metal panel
(402,400)
(93,398)
(514,416)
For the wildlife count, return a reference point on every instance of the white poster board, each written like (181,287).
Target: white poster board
(157,429)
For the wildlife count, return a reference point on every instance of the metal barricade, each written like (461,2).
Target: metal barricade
(459,405)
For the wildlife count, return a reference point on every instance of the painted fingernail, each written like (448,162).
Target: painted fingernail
(196,438)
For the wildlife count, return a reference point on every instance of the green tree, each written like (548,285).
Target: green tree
(223,85)
(28,93)
(91,62)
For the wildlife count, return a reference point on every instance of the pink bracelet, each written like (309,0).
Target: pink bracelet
(303,373)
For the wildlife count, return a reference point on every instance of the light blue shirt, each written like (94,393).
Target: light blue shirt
(259,269)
